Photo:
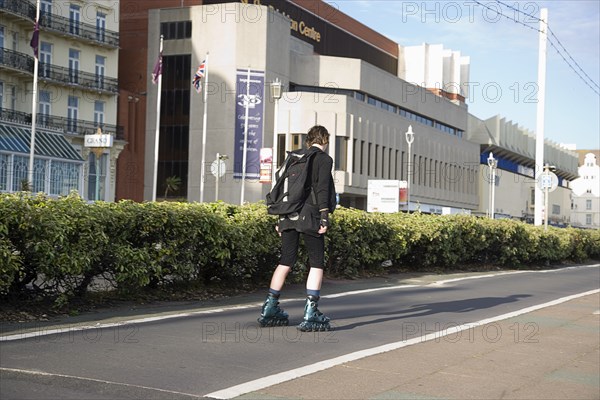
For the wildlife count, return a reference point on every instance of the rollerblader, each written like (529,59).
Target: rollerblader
(312,221)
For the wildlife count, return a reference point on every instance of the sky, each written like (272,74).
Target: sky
(501,38)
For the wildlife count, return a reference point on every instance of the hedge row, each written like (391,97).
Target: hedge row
(67,247)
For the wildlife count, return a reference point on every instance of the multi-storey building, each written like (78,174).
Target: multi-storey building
(365,88)
(585,211)
(76,95)
(334,71)
(513,149)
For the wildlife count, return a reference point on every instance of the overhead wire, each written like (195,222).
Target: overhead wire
(586,80)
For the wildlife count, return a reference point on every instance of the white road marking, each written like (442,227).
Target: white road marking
(79,328)
(80,378)
(268,381)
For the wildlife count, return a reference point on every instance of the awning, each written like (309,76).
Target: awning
(16,139)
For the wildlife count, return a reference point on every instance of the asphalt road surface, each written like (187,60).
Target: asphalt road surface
(199,352)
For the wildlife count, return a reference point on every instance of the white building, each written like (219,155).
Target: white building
(76,94)
(585,211)
(513,148)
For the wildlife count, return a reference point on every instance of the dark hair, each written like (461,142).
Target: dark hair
(317,135)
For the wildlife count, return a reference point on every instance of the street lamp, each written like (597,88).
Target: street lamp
(218,162)
(410,137)
(276,93)
(492,163)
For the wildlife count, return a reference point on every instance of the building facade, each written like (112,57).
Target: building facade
(76,95)
(334,71)
(585,211)
(365,88)
(513,149)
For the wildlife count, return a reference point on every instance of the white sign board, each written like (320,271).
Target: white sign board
(548,180)
(383,196)
(98,140)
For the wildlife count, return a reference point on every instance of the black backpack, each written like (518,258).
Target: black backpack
(292,184)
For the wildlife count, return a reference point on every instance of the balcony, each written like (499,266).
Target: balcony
(18,8)
(61,25)
(65,77)
(66,126)
(18,62)
(88,32)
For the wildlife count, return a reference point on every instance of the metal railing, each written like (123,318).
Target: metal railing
(17,61)
(65,76)
(20,8)
(81,30)
(67,126)
(62,25)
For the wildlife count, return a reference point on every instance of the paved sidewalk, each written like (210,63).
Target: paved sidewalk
(551,353)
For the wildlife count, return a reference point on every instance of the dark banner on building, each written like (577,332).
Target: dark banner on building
(249,110)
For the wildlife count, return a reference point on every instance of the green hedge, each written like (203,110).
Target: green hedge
(66,247)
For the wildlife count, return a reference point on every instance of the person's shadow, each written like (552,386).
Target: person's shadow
(420,310)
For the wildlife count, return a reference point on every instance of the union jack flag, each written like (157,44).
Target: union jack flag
(200,72)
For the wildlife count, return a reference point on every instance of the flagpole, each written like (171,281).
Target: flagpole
(203,166)
(247,104)
(34,101)
(157,133)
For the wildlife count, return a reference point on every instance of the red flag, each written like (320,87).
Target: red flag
(35,39)
(157,69)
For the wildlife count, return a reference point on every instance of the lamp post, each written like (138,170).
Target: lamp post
(492,163)
(276,93)
(410,137)
(218,162)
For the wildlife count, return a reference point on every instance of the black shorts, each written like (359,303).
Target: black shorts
(315,247)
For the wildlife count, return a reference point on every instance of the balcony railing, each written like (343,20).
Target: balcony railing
(61,25)
(65,76)
(17,61)
(67,126)
(19,7)
(81,30)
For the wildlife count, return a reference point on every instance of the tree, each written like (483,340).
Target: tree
(172,184)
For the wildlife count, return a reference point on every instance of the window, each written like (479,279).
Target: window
(96,177)
(588,204)
(20,166)
(74,19)
(341,153)
(555,209)
(99,113)
(74,65)
(376,158)
(588,219)
(4,172)
(100,26)
(354,151)
(1,43)
(362,156)
(39,175)
(176,30)
(46,8)
(100,67)
(369,160)
(1,94)
(44,107)
(45,59)
(13,98)
(64,177)
(72,114)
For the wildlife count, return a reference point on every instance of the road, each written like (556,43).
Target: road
(201,352)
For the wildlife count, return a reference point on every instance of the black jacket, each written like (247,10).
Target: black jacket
(322,196)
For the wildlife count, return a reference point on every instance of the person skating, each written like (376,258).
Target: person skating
(312,223)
